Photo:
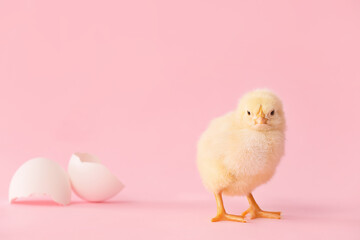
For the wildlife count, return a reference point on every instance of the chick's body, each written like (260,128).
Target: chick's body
(235,160)
(240,150)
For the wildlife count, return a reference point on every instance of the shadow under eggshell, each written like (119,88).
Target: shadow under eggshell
(38,177)
(91,180)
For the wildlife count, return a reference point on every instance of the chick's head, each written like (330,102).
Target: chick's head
(260,110)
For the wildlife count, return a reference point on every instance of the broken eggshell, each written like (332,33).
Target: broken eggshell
(91,180)
(38,177)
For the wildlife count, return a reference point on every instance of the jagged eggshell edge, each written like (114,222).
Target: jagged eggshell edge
(40,176)
(90,179)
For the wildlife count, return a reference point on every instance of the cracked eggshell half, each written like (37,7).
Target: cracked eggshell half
(91,180)
(39,177)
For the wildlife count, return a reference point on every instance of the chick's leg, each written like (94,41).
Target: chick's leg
(256,212)
(221,213)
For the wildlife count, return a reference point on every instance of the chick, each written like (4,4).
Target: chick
(240,151)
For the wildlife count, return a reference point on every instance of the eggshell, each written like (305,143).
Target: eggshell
(40,176)
(91,180)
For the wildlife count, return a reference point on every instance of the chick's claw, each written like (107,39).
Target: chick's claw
(228,217)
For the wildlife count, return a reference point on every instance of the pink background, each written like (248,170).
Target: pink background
(136,82)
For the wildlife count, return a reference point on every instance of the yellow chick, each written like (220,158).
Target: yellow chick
(240,151)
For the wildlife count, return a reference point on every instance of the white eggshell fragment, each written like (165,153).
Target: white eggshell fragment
(38,177)
(91,180)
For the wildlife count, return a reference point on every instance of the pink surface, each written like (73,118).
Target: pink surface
(136,82)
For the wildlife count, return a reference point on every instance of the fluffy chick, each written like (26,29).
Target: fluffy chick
(240,151)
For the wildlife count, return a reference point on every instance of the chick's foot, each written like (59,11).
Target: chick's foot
(256,212)
(221,213)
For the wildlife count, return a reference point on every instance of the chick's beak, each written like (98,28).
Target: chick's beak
(260,117)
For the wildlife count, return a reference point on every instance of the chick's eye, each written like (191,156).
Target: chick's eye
(248,113)
(272,113)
